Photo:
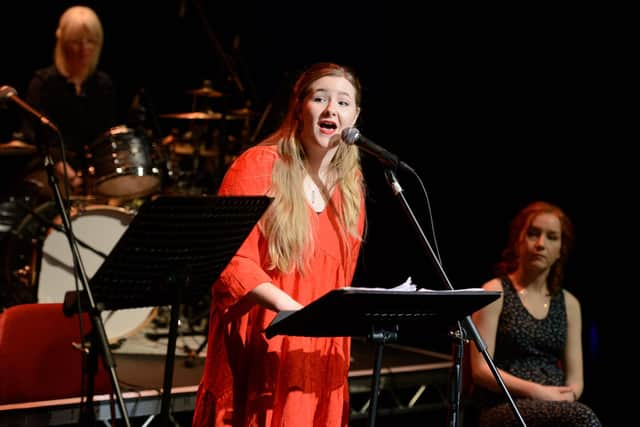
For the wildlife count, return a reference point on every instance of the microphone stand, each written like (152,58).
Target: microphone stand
(466,325)
(98,333)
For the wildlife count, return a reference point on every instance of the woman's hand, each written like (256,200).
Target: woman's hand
(548,392)
(270,296)
(75,179)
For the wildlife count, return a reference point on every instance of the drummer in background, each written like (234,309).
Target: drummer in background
(77,97)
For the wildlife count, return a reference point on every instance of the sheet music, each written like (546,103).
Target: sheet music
(406,286)
(409,286)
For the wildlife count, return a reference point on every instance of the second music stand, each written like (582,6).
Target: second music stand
(380,315)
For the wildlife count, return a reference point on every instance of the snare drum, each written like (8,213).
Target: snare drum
(121,163)
(98,226)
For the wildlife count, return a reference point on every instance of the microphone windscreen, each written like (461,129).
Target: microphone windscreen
(350,135)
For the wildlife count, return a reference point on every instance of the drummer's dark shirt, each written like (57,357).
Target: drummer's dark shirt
(81,118)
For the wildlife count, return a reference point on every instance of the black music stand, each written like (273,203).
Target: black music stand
(380,315)
(171,253)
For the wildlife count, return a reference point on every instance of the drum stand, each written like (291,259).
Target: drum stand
(190,330)
(191,354)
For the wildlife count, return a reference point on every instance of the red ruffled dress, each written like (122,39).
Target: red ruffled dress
(250,380)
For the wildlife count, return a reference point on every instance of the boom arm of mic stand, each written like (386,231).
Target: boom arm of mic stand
(467,322)
(98,325)
(218,47)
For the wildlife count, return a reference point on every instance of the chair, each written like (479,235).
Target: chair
(38,360)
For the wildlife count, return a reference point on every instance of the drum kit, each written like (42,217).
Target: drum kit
(124,167)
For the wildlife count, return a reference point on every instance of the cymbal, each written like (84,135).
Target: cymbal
(194,115)
(16,148)
(205,91)
(242,113)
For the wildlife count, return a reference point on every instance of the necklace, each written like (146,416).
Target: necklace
(314,194)
(523,295)
(317,201)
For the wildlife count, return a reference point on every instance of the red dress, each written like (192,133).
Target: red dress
(250,380)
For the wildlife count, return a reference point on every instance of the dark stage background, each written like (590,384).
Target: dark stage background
(493,109)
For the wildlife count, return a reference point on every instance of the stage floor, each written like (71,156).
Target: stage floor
(409,377)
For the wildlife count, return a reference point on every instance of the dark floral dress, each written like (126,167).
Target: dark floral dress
(531,349)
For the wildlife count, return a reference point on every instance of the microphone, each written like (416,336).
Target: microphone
(352,136)
(7,92)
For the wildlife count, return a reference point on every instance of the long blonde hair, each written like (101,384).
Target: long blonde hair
(286,224)
(72,18)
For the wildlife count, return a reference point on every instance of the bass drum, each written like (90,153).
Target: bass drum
(99,227)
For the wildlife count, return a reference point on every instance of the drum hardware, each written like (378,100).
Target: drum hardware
(44,263)
(58,227)
(24,275)
(11,210)
(242,113)
(207,115)
(185,149)
(83,199)
(123,164)
(206,91)
(192,355)
(190,157)
(196,159)
(194,115)
(198,321)
(193,322)
(24,272)
(17,148)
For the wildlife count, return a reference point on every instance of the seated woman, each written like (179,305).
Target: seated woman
(533,331)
